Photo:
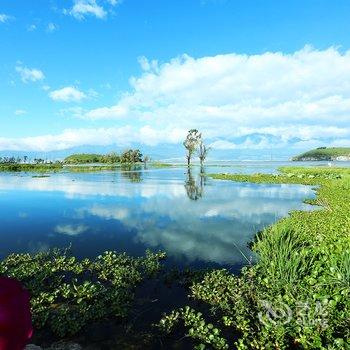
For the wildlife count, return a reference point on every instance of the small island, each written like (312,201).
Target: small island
(325,154)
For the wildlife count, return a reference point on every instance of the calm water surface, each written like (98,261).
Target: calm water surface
(198,221)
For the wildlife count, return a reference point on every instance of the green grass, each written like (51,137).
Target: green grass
(322,153)
(297,295)
(90,168)
(121,166)
(155,164)
(30,167)
(75,167)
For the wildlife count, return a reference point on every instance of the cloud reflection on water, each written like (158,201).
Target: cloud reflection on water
(160,213)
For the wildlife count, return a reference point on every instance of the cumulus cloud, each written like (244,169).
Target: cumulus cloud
(304,94)
(5,18)
(83,8)
(51,27)
(248,143)
(304,136)
(67,94)
(114,2)
(31,28)
(268,100)
(95,8)
(106,113)
(122,136)
(29,74)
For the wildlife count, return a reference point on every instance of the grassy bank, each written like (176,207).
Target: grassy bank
(298,295)
(30,167)
(90,168)
(120,166)
(80,168)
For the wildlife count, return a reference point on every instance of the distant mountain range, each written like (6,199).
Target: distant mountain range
(164,152)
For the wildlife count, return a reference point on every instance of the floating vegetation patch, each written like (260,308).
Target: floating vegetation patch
(67,294)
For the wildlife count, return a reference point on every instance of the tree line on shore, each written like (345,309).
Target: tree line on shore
(130,156)
(193,144)
(25,160)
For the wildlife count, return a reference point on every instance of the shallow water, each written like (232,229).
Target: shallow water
(198,221)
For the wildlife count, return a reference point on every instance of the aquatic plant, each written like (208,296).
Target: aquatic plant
(67,294)
(297,295)
(16,167)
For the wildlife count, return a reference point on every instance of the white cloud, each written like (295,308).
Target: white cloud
(20,112)
(5,18)
(113,2)
(96,8)
(304,94)
(122,136)
(340,143)
(167,200)
(83,8)
(30,74)
(103,113)
(269,100)
(71,230)
(280,137)
(248,143)
(31,28)
(127,135)
(51,27)
(67,94)
(108,213)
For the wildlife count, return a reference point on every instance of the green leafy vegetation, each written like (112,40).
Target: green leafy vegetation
(68,294)
(129,156)
(84,158)
(324,153)
(298,294)
(54,167)
(82,162)
(91,168)
(198,329)
(40,167)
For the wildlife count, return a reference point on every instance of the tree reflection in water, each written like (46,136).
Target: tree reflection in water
(133,173)
(194,187)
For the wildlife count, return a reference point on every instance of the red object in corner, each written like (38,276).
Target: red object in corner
(15,318)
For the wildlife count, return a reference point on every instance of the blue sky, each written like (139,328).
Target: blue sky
(252,75)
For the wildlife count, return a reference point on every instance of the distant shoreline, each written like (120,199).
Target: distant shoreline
(339,154)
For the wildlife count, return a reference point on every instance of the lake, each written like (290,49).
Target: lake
(199,222)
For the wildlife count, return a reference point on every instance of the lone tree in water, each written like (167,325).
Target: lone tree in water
(191,143)
(202,151)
